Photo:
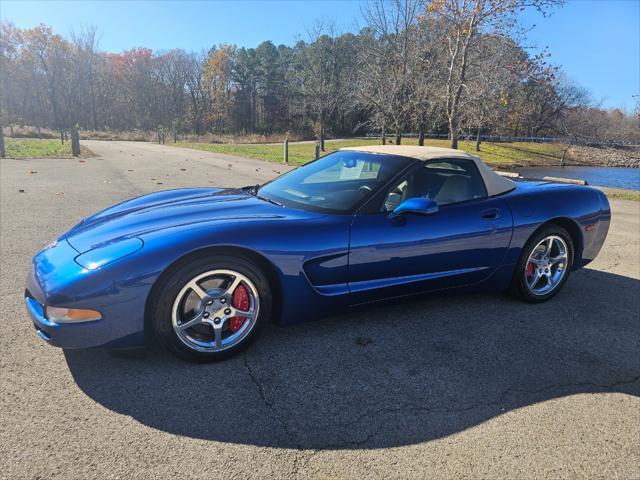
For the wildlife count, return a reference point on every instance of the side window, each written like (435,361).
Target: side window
(444,181)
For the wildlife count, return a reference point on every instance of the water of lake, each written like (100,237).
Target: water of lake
(615,177)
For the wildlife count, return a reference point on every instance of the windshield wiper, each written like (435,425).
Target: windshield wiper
(269,200)
(253,190)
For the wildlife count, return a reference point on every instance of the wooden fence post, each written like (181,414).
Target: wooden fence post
(2,152)
(286,150)
(317,151)
(75,141)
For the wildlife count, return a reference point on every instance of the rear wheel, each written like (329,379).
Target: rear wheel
(211,307)
(544,265)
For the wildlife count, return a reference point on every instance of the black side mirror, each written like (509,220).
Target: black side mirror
(415,206)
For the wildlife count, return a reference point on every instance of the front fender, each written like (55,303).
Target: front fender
(320,243)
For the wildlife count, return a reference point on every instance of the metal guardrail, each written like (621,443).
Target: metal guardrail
(508,138)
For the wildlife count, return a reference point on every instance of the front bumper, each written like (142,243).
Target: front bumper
(36,311)
(56,280)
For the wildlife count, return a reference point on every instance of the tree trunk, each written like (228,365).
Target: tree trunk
(62,136)
(398,137)
(478,140)
(453,134)
(11,130)
(421,137)
(384,135)
(564,153)
(454,140)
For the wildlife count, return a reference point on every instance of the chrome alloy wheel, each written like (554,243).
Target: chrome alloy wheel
(215,311)
(547,265)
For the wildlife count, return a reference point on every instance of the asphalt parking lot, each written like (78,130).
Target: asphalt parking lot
(467,386)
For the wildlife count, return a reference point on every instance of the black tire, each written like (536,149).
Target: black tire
(519,286)
(164,295)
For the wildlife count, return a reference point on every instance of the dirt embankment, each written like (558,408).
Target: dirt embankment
(604,156)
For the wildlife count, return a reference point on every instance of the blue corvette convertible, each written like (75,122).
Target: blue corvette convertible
(203,268)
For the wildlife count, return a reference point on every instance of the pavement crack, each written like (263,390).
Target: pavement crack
(268,403)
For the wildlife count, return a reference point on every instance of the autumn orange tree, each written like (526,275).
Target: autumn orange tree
(217,80)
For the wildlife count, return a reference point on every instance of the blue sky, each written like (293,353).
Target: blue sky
(597,42)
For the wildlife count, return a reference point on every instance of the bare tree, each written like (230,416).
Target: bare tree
(388,63)
(322,70)
(496,68)
(464,21)
(427,79)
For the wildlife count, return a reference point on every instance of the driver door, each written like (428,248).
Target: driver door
(461,244)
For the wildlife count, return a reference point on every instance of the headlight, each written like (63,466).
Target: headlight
(71,315)
(111,252)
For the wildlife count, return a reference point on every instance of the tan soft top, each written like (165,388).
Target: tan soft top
(495,183)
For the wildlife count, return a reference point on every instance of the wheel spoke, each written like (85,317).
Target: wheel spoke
(197,320)
(560,258)
(233,285)
(217,330)
(535,280)
(551,281)
(198,290)
(242,313)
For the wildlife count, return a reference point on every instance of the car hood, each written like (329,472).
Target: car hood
(170,209)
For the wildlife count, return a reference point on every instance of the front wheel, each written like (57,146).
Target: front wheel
(544,265)
(211,307)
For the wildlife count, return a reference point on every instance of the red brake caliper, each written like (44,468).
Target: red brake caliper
(530,269)
(240,302)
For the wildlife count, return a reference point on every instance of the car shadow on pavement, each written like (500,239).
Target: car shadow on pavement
(387,376)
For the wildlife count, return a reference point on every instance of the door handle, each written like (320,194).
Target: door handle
(491,214)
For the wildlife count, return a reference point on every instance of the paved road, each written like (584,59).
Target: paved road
(469,386)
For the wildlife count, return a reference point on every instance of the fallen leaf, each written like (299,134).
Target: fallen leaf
(20,190)
(60,193)
(183,169)
(33,171)
(159,183)
(82,161)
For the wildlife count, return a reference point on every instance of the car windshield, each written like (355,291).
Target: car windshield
(337,183)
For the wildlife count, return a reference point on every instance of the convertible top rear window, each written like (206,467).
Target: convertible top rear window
(336,183)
